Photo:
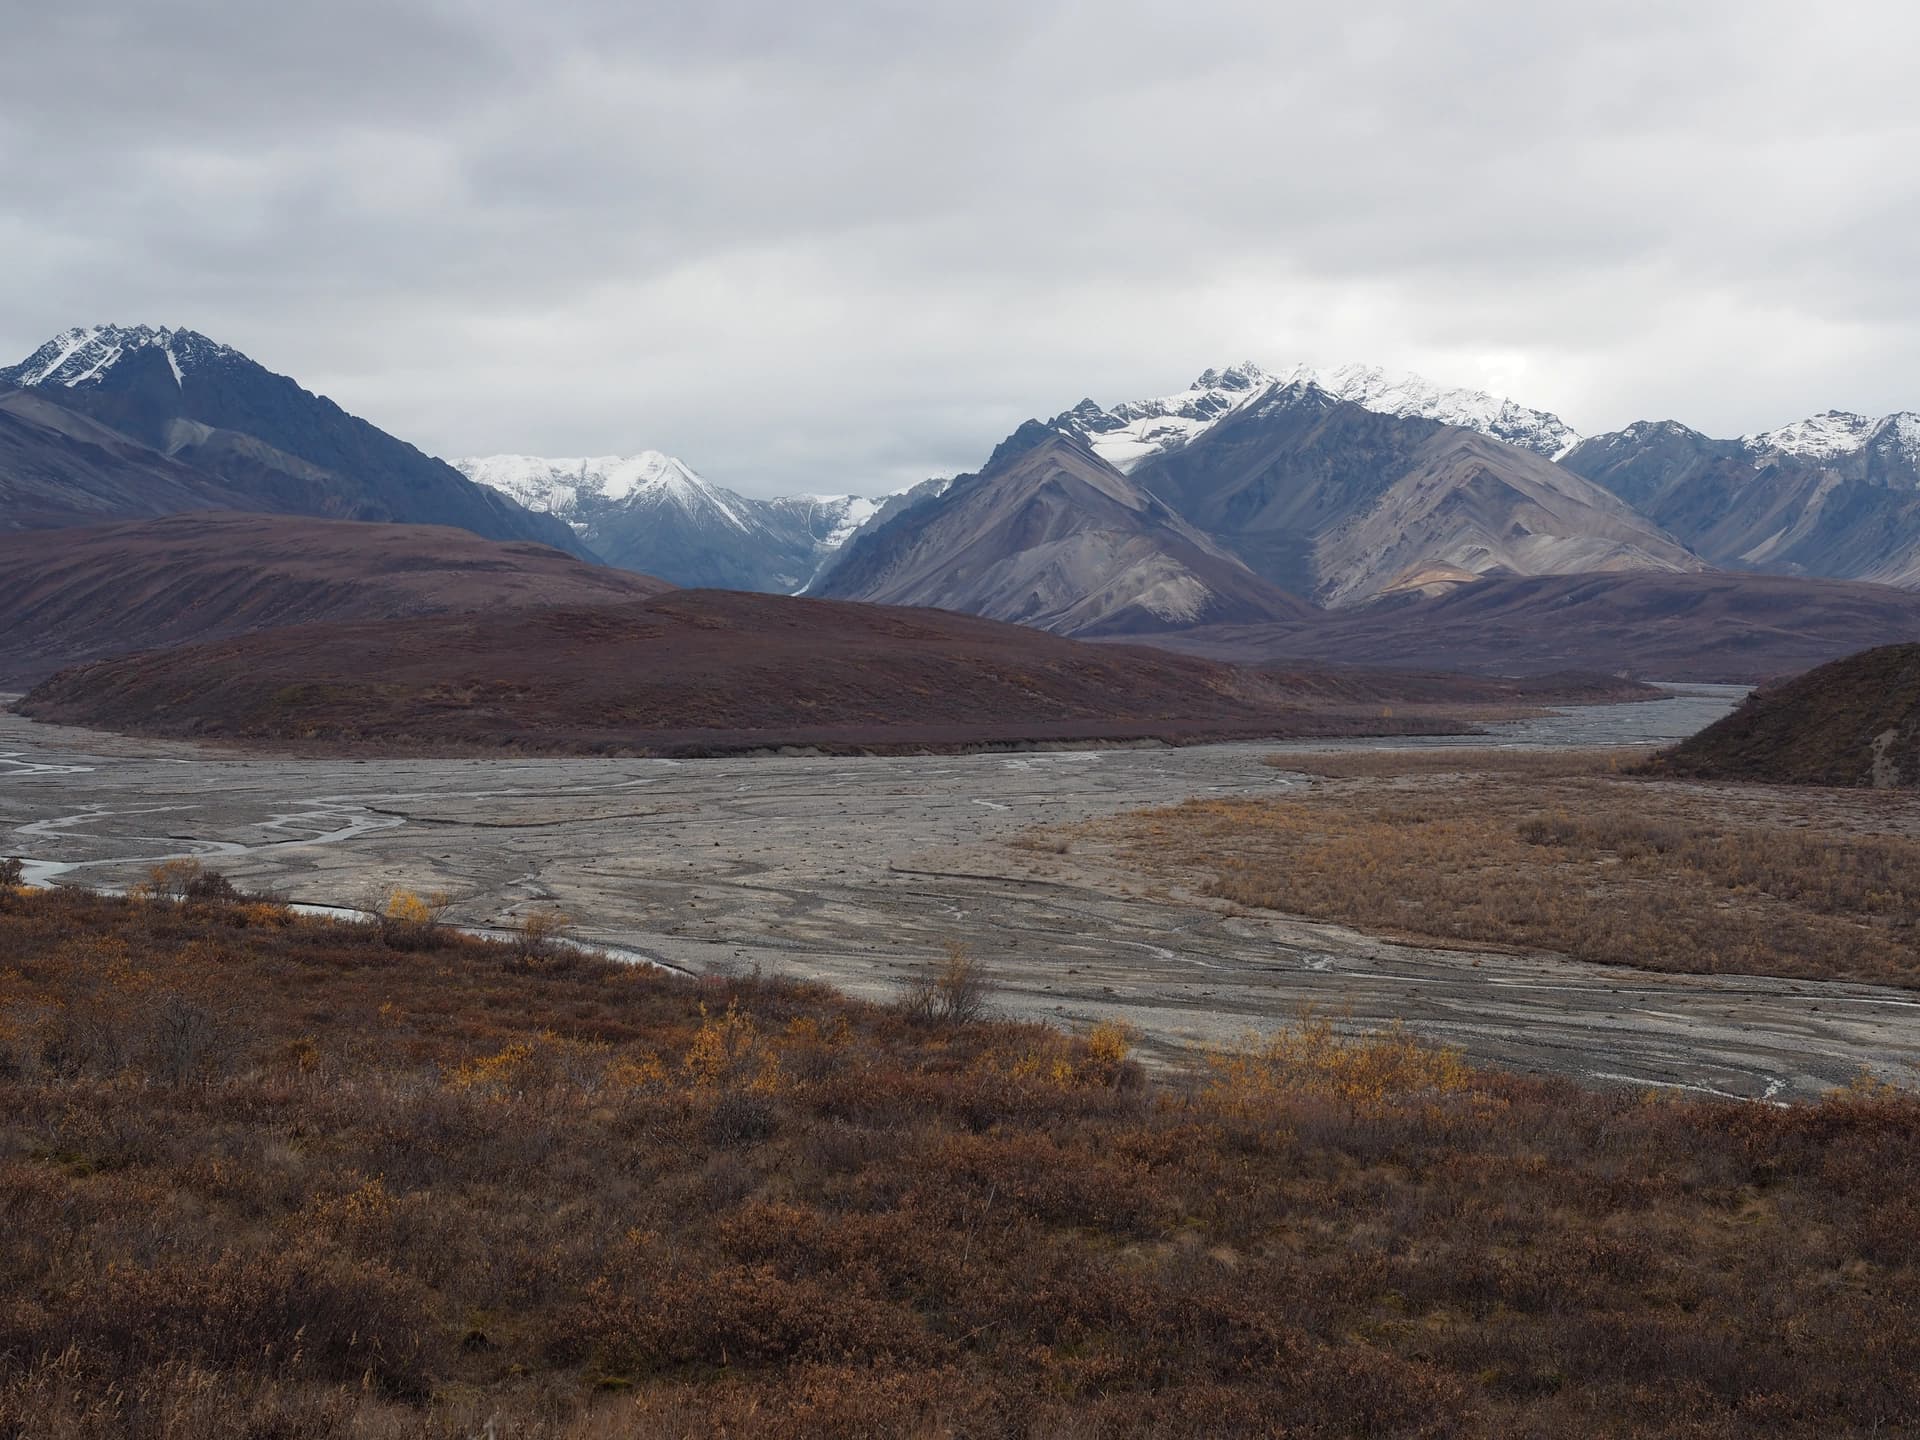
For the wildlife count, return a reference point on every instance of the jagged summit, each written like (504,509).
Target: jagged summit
(1834,433)
(1133,432)
(86,354)
(1244,376)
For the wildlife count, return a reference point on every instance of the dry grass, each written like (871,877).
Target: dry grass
(269,1177)
(1560,852)
(1538,764)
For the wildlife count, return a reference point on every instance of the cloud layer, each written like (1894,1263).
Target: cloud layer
(843,247)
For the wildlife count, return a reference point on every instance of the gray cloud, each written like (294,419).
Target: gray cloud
(844,246)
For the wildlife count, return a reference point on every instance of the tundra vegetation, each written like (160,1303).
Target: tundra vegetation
(1562,851)
(263,1175)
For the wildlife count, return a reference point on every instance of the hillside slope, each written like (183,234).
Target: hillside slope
(82,593)
(58,468)
(1328,499)
(1834,495)
(1050,535)
(689,672)
(1853,722)
(1713,627)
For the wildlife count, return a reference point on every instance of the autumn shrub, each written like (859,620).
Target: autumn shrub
(952,990)
(536,932)
(184,1038)
(425,1191)
(174,879)
(13,871)
(1562,853)
(409,919)
(293,1311)
(211,887)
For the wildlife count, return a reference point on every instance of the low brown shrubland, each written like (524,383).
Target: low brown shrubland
(1565,852)
(267,1176)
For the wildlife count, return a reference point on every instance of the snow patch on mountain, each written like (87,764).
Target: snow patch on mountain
(1388,392)
(572,487)
(558,486)
(654,512)
(845,513)
(1128,434)
(1904,430)
(1835,433)
(87,353)
(1819,437)
(1137,430)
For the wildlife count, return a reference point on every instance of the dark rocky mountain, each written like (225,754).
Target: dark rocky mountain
(1331,500)
(1706,627)
(84,592)
(1048,534)
(1853,722)
(1837,495)
(58,467)
(173,402)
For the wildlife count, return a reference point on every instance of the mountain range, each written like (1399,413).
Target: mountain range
(1836,495)
(1251,500)
(1338,486)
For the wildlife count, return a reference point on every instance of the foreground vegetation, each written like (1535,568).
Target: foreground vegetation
(1563,851)
(271,1177)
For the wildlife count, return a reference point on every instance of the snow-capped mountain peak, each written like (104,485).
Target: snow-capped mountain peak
(1136,430)
(1838,432)
(1128,434)
(85,354)
(1390,392)
(649,511)
(562,486)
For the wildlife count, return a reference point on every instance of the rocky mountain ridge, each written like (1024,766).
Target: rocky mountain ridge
(116,422)
(1049,534)
(1133,432)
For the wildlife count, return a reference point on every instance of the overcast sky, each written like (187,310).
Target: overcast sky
(842,246)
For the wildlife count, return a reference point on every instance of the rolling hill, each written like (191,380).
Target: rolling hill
(1853,722)
(688,672)
(81,593)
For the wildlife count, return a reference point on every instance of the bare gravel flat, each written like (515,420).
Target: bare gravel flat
(853,871)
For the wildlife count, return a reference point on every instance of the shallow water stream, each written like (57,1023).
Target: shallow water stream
(853,871)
